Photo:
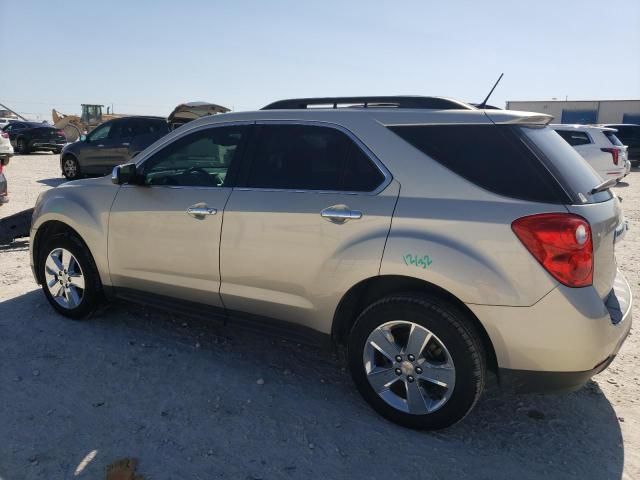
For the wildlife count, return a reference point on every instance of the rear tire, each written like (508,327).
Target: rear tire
(69,276)
(70,168)
(434,366)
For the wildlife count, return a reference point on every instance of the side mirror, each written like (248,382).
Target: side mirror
(123,173)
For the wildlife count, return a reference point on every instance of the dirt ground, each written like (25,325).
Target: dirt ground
(192,400)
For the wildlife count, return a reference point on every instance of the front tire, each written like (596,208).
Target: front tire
(69,276)
(417,360)
(70,168)
(23,146)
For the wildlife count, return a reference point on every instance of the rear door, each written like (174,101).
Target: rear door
(308,220)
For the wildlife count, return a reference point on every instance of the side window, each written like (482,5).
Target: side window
(305,157)
(100,133)
(574,138)
(122,130)
(492,157)
(147,127)
(200,159)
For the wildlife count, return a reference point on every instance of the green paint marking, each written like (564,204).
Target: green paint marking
(416,260)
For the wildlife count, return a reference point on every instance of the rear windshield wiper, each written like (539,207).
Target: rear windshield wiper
(603,186)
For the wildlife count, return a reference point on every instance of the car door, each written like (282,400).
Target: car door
(308,220)
(114,149)
(164,233)
(94,149)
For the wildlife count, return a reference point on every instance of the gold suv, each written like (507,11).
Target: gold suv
(438,242)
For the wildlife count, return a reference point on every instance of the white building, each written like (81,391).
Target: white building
(583,111)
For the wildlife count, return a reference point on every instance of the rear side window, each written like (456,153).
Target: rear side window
(575,174)
(309,157)
(613,139)
(492,157)
(574,138)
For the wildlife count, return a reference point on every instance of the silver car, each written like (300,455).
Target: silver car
(438,242)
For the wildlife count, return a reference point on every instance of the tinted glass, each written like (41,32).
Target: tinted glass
(575,174)
(147,127)
(201,159)
(574,138)
(121,130)
(100,133)
(492,157)
(613,138)
(305,157)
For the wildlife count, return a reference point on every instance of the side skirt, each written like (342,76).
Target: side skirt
(230,318)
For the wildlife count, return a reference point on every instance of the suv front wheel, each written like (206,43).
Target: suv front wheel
(417,360)
(70,168)
(69,276)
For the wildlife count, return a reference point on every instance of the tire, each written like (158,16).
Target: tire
(56,151)
(23,146)
(70,168)
(77,264)
(453,356)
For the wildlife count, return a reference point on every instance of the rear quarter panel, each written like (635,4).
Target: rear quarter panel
(467,248)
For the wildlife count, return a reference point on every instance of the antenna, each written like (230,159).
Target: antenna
(484,102)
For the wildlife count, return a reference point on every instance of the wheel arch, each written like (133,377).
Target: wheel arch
(49,229)
(358,297)
(65,155)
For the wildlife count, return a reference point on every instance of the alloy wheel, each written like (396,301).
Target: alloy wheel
(70,168)
(64,278)
(409,367)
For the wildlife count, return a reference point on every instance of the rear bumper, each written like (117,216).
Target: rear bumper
(531,381)
(560,342)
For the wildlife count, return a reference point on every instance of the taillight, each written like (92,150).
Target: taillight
(562,243)
(4,135)
(614,152)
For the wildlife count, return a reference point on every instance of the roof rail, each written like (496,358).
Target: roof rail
(432,103)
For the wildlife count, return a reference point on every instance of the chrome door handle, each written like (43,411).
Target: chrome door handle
(99,146)
(340,214)
(199,212)
(125,144)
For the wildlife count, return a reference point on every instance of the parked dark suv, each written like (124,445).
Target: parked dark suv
(110,144)
(629,135)
(27,137)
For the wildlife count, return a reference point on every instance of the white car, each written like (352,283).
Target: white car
(599,146)
(6,150)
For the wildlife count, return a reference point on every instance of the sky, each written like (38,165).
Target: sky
(145,57)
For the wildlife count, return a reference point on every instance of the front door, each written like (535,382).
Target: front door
(98,149)
(164,234)
(309,221)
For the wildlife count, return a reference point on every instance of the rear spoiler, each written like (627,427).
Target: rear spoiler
(510,117)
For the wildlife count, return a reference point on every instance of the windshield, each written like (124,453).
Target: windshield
(573,172)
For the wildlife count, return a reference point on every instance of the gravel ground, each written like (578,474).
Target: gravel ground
(192,400)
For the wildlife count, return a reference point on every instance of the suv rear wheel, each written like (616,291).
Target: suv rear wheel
(69,276)
(417,360)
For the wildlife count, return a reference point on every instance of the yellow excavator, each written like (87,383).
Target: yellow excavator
(74,125)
